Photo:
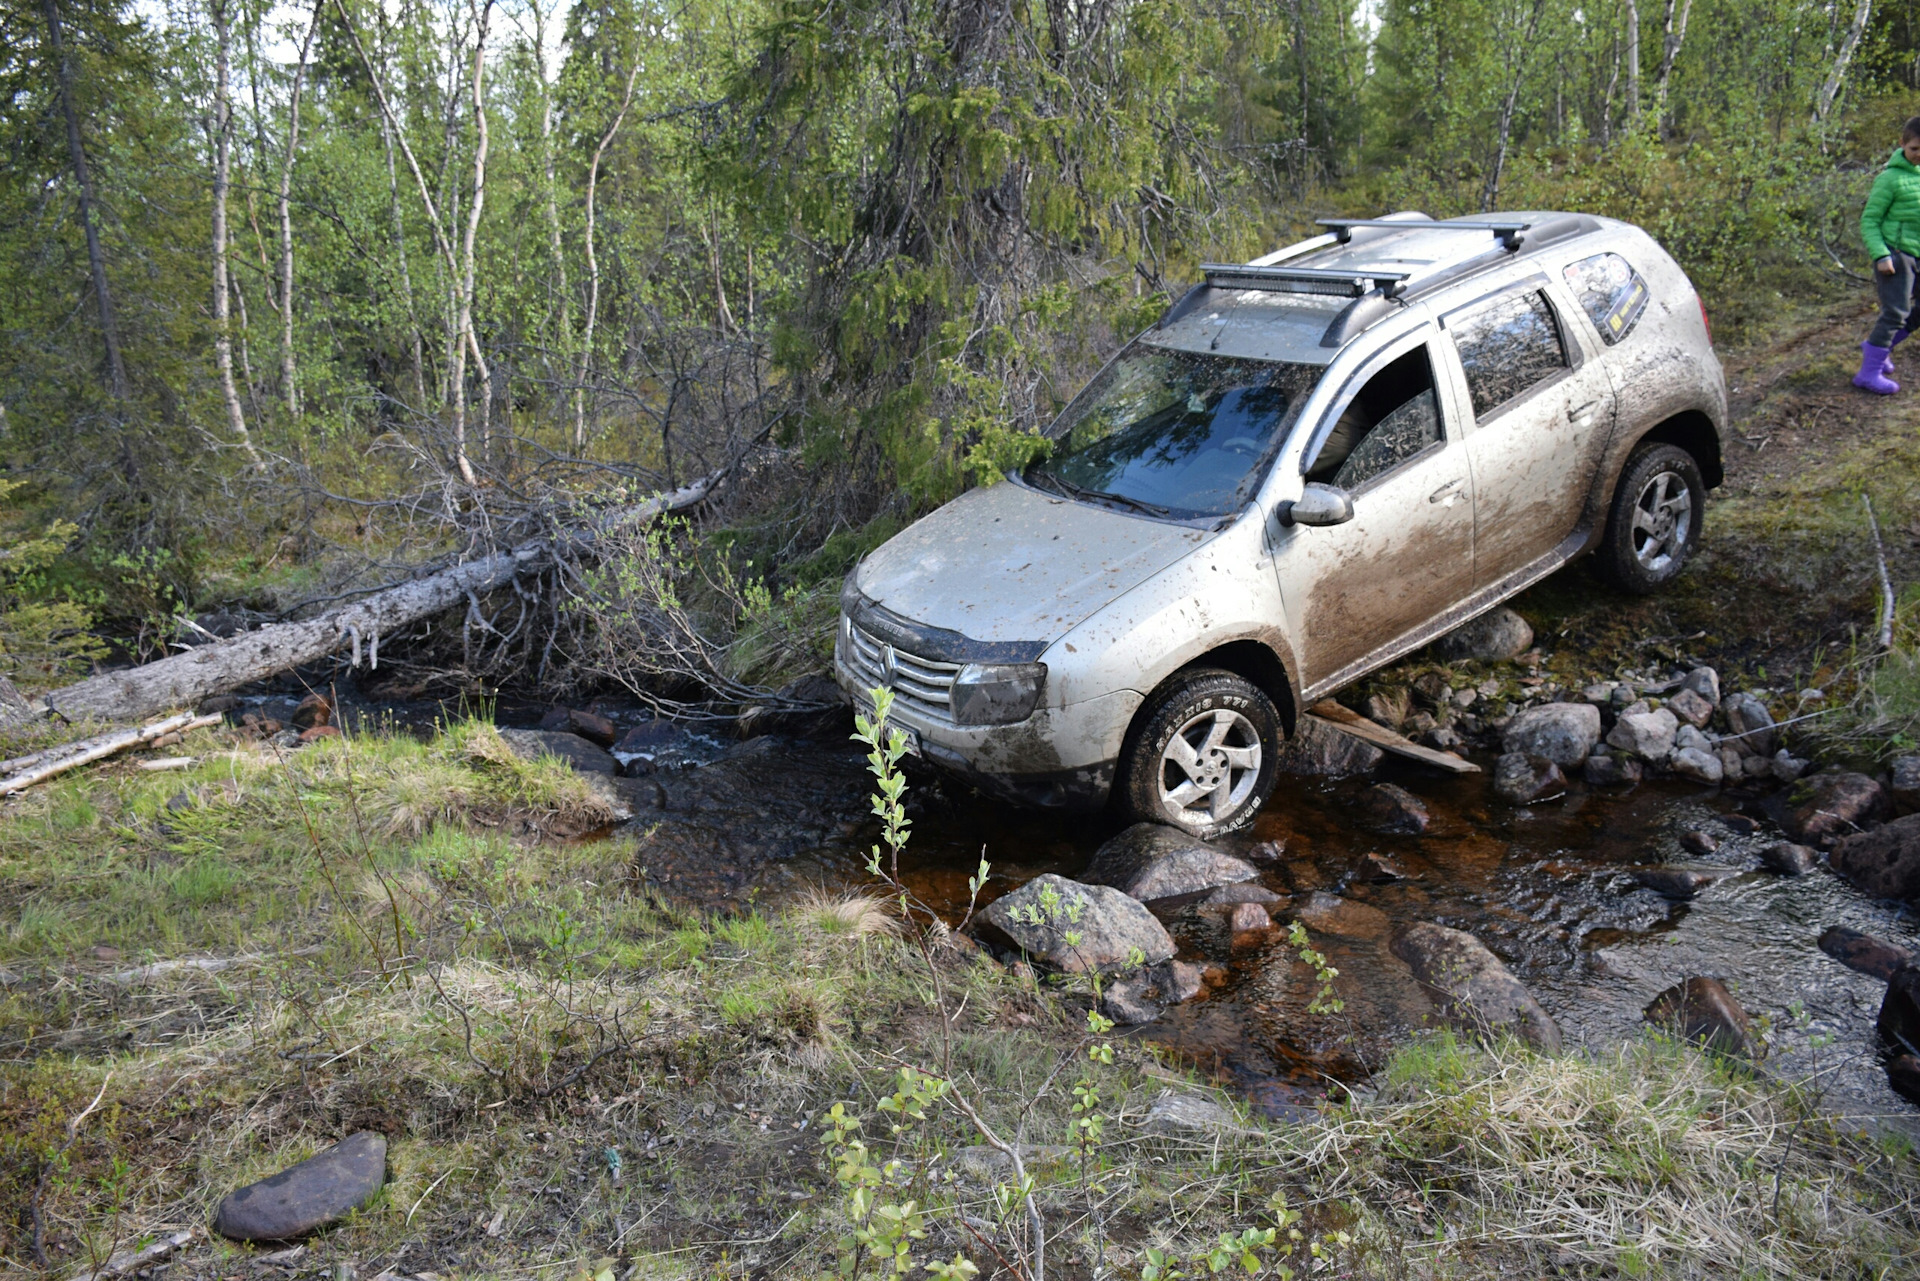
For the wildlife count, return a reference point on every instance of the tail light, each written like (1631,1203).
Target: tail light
(1703,316)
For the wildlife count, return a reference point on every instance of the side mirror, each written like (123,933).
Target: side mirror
(1318,505)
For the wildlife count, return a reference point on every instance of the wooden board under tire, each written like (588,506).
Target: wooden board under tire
(1347,721)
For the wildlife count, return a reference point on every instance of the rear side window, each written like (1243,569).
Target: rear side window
(1508,346)
(1610,291)
(1391,419)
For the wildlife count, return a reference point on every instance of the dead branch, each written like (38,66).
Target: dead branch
(134,1260)
(58,760)
(1886,583)
(37,1214)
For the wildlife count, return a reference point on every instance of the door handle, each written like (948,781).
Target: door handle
(1448,492)
(1583,416)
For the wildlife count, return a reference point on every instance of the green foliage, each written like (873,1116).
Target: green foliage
(43,633)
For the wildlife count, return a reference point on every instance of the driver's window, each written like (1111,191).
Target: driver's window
(1393,417)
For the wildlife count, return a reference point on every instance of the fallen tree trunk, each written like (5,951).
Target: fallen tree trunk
(44,765)
(185,679)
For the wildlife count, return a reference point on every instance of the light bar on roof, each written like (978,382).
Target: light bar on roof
(1277,279)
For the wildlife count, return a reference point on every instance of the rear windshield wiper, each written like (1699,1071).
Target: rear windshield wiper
(1071,490)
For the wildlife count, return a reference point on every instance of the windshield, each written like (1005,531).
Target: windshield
(1174,433)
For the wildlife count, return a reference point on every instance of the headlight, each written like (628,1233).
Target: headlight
(997,693)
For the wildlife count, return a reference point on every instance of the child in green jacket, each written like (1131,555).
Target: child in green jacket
(1891,227)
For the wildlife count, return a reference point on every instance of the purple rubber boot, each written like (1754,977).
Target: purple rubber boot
(1886,366)
(1872,376)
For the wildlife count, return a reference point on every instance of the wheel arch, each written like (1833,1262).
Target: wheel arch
(1694,432)
(1252,660)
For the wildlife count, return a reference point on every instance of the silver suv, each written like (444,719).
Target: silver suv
(1313,464)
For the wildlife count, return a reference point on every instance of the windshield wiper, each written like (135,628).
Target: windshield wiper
(1071,490)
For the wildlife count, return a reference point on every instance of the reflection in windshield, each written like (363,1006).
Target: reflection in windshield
(1176,430)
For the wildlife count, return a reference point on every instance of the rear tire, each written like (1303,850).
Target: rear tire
(1653,529)
(1205,754)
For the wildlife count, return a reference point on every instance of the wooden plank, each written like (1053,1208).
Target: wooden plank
(1331,713)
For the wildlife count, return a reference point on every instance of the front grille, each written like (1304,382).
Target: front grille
(923,684)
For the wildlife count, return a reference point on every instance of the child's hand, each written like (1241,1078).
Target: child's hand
(1884,266)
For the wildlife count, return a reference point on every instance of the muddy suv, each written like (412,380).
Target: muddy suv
(1313,464)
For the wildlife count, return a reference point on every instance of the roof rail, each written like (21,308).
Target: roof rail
(1355,281)
(1507,231)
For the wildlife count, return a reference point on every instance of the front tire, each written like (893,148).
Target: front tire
(1205,755)
(1654,527)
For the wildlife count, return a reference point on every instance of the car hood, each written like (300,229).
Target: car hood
(1006,563)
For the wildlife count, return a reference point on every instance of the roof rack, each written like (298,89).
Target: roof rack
(1356,281)
(1508,232)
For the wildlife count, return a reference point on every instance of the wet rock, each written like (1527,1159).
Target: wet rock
(1687,736)
(1703,682)
(1152,860)
(596,729)
(1789,859)
(1563,733)
(1905,790)
(1319,750)
(1884,862)
(1740,823)
(1648,735)
(1378,869)
(1612,771)
(1863,952)
(1267,851)
(1751,724)
(1754,768)
(1247,892)
(1699,842)
(1496,635)
(1419,725)
(1188,1113)
(1110,926)
(314,710)
(1831,805)
(1523,779)
(1324,913)
(1786,767)
(1387,708)
(532,744)
(1701,767)
(1387,808)
(1143,997)
(1473,987)
(1703,1011)
(1442,738)
(1691,708)
(306,1196)
(1903,1074)
(1680,883)
(1248,919)
(1899,1020)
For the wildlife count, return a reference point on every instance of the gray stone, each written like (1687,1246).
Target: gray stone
(1705,682)
(1623,698)
(1110,927)
(1885,862)
(309,1195)
(1699,841)
(1751,724)
(1496,635)
(1612,771)
(1387,708)
(1473,987)
(1906,784)
(1523,779)
(1600,695)
(1833,804)
(1753,767)
(1864,952)
(1648,735)
(1701,767)
(1152,860)
(592,726)
(1691,708)
(986,1165)
(1687,736)
(1318,749)
(532,744)
(1786,767)
(1733,766)
(1247,919)
(1789,859)
(1703,1011)
(1143,997)
(1324,913)
(1176,1113)
(1246,892)
(1387,808)
(1563,733)
(1682,883)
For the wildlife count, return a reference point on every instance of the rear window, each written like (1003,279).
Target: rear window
(1611,292)
(1507,347)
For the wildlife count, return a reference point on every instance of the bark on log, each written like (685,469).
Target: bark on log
(73,755)
(184,679)
(14,709)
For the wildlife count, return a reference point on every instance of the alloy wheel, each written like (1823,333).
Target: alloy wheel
(1662,521)
(1209,767)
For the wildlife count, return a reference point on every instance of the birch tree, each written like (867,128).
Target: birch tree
(289,379)
(221,128)
(1830,88)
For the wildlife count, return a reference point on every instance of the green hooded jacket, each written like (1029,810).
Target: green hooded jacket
(1891,219)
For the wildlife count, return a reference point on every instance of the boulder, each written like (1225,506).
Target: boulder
(1473,987)
(1648,735)
(1701,767)
(1078,927)
(1496,635)
(1833,804)
(596,729)
(1324,913)
(1247,919)
(1679,883)
(532,744)
(1691,708)
(1523,779)
(306,1196)
(1750,723)
(1687,736)
(1789,859)
(1318,749)
(1884,862)
(1905,791)
(1142,997)
(1563,733)
(1152,860)
(1864,952)
(1704,682)
(1387,808)
(1786,767)
(1187,1113)
(1702,1010)
(1903,1074)
(1899,1019)
(1609,770)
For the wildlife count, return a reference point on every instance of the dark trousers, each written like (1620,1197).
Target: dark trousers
(1897,301)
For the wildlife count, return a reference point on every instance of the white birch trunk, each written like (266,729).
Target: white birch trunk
(289,369)
(593,265)
(222,169)
(1830,90)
